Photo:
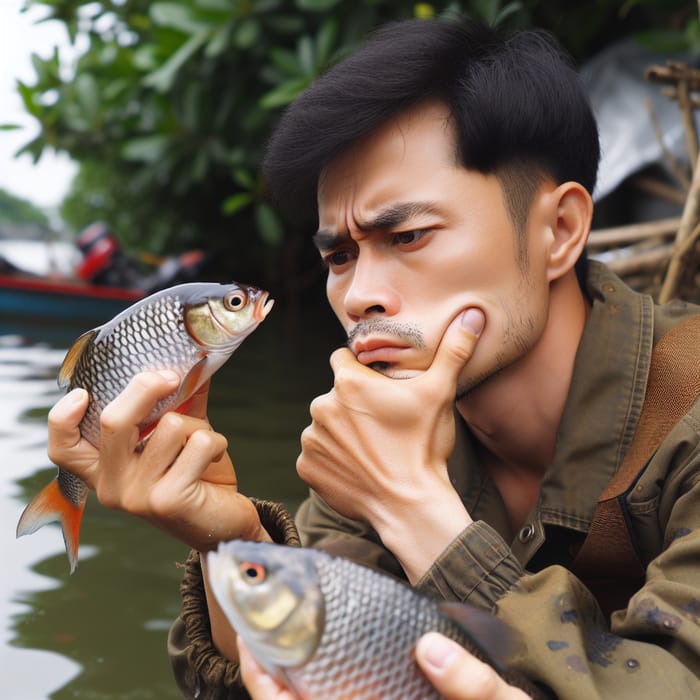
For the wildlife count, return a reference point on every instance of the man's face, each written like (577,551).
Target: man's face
(411,239)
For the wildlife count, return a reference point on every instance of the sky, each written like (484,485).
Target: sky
(45,183)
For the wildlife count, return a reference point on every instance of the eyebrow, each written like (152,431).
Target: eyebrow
(391,217)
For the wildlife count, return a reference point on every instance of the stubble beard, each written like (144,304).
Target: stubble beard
(518,340)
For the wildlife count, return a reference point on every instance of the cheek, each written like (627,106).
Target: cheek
(336,295)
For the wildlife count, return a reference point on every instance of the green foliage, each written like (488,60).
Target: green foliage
(168,107)
(19,211)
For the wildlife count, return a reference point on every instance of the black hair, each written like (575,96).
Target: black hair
(518,108)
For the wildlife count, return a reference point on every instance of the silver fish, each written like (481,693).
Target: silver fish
(331,629)
(190,328)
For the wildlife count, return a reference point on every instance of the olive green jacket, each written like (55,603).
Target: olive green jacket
(651,648)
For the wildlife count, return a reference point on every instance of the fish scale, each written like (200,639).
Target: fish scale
(161,343)
(191,329)
(381,665)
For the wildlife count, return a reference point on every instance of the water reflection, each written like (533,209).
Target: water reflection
(100,634)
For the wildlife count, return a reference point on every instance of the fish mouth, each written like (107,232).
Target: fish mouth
(263,306)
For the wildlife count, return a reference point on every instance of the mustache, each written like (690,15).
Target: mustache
(407,332)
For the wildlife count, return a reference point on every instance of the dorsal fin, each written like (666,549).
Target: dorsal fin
(73,355)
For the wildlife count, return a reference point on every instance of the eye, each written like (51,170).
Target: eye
(338,258)
(235,300)
(406,238)
(252,572)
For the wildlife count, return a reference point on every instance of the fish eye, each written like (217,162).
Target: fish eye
(252,572)
(235,300)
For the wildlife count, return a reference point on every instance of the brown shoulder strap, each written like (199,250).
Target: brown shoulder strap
(608,561)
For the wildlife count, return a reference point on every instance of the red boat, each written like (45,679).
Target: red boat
(86,284)
(27,298)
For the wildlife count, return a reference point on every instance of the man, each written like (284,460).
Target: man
(451,171)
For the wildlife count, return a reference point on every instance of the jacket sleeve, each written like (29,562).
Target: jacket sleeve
(649,650)
(200,671)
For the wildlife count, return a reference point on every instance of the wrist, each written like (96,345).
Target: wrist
(418,536)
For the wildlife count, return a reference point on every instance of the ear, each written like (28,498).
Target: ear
(570,212)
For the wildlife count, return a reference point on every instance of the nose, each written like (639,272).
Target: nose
(371,291)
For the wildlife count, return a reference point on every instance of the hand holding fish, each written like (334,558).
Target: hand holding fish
(377,448)
(182,481)
(135,429)
(455,673)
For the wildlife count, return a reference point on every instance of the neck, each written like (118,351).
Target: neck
(515,414)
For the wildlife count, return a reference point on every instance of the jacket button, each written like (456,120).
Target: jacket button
(526,533)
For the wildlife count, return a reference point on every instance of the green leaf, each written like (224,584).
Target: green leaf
(268,224)
(325,41)
(88,95)
(28,99)
(315,5)
(218,42)
(163,79)
(246,33)
(216,5)
(10,127)
(243,177)
(148,149)
(511,8)
(286,61)
(284,94)
(305,55)
(236,202)
(145,57)
(176,16)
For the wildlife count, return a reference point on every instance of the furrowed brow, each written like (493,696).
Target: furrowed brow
(392,216)
(325,239)
(396,215)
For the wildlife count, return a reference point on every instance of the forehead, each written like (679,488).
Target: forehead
(406,153)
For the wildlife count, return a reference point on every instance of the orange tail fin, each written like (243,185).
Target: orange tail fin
(50,506)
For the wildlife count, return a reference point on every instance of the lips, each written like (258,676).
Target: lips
(371,350)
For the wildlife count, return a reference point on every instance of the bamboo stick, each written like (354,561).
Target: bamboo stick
(622,235)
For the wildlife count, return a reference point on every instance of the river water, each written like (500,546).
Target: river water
(100,634)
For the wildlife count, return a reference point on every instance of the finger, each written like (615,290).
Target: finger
(457,675)
(457,345)
(343,358)
(201,447)
(259,684)
(120,419)
(64,423)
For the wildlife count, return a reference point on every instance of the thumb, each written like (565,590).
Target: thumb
(457,675)
(457,344)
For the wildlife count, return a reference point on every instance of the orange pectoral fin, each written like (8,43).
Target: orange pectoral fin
(191,382)
(49,506)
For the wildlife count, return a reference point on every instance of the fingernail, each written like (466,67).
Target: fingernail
(438,650)
(473,320)
(76,396)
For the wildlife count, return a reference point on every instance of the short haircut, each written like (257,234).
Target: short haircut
(517,106)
